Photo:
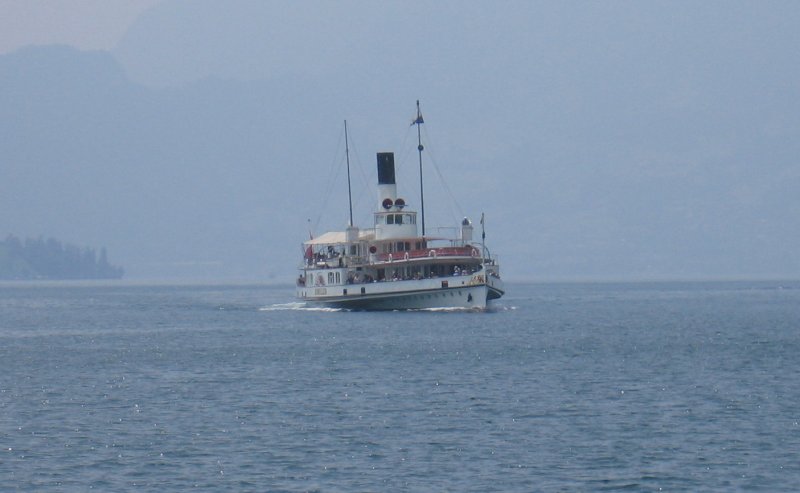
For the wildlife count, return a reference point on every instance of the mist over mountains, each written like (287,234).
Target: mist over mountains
(602,141)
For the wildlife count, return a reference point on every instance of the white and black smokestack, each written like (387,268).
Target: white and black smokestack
(387,187)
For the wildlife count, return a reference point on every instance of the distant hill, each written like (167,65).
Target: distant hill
(50,259)
(176,183)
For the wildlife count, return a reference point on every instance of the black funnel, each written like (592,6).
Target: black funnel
(386,168)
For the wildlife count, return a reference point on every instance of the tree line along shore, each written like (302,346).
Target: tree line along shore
(40,258)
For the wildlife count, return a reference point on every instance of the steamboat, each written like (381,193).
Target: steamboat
(392,265)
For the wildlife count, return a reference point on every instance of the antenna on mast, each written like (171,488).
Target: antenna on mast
(419,121)
(349,192)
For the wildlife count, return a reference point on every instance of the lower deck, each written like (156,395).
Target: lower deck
(464,291)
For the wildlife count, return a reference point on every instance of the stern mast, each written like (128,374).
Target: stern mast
(419,121)
(349,192)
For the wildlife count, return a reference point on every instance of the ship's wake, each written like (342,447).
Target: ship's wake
(447,309)
(297,306)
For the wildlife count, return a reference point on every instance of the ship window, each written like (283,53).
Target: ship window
(338,278)
(398,219)
(330,277)
(412,219)
(390,219)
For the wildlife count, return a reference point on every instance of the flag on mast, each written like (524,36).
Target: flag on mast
(418,119)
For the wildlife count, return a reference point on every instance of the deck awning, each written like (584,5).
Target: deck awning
(337,238)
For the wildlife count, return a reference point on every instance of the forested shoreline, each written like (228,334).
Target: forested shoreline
(39,258)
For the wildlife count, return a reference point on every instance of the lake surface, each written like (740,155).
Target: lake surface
(561,387)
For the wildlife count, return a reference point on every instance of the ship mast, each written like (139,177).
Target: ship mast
(349,191)
(419,121)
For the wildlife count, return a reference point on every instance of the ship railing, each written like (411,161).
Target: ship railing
(465,251)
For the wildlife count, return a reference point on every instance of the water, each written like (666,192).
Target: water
(563,387)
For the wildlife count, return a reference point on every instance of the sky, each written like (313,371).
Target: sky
(603,140)
(84,24)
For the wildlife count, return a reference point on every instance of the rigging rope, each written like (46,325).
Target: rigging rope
(332,174)
(429,148)
(338,163)
(364,186)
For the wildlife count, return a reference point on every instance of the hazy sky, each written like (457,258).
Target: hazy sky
(603,140)
(85,24)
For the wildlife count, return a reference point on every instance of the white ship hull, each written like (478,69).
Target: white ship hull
(468,292)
